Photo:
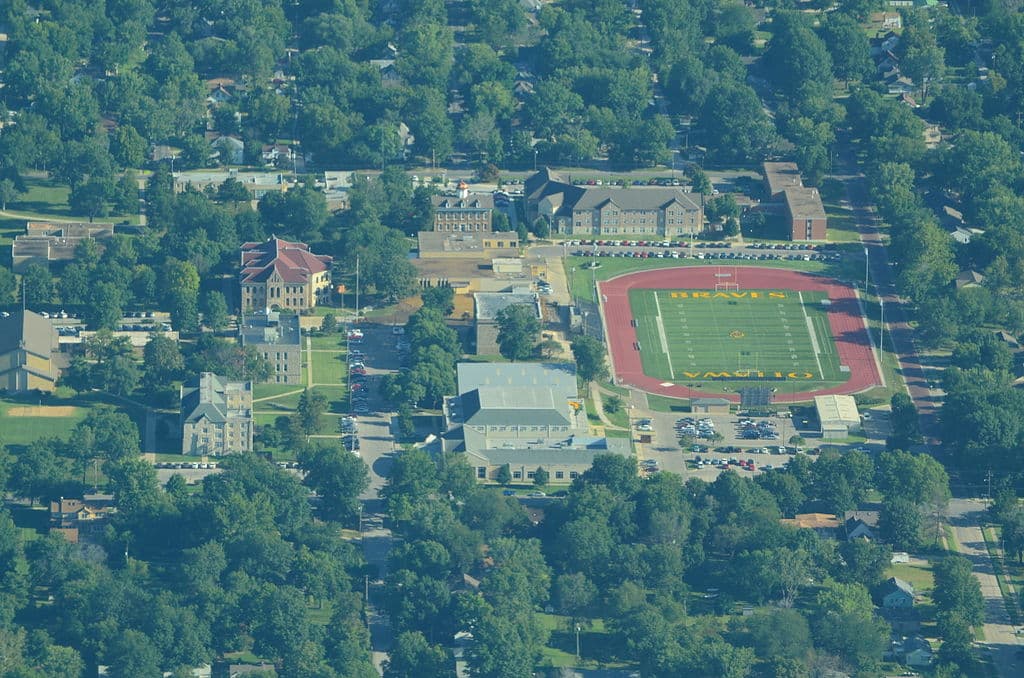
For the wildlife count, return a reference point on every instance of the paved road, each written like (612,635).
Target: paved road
(966,516)
(898,330)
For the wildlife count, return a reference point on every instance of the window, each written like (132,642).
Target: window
(559,475)
(518,475)
(530,474)
(574,475)
(481,472)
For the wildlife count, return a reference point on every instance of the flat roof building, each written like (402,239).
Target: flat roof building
(837,415)
(524,416)
(278,340)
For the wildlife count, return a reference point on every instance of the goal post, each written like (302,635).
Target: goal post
(726,279)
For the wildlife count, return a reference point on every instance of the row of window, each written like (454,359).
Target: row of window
(481,473)
(462,227)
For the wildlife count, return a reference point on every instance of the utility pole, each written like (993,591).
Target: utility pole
(881,324)
(357,289)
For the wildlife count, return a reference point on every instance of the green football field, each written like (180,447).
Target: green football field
(690,336)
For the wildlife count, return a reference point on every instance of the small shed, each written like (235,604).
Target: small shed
(709,406)
(837,415)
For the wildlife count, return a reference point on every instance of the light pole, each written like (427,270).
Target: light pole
(577,642)
(881,323)
(865,270)
(535,160)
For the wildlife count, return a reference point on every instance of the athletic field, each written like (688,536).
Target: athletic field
(693,336)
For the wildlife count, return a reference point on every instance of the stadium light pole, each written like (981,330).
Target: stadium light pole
(881,323)
(865,270)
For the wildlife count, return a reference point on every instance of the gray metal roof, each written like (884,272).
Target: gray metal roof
(559,377)
(514,406)
(636,198)
(29,330)
(490,304)
(273,329)
(553,456)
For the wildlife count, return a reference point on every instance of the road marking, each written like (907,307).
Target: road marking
(662,337)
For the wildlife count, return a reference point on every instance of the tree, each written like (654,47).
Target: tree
(310,410)
(8,192)
(93,197)
(215,310)
(779,633)
(905,429)
(180,285)
(413,657)
(957,589)
(590,358)
(900,523)
(337,476)
(133,654)
(37,285)
(8,285)
(440,298)
(745,132)
(848,44)
(541,477)
(504,475)
(573,594)
(518,328)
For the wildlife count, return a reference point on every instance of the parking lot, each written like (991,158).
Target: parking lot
(665,451)
(679,249)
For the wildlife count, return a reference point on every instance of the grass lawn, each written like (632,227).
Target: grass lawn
(47,198)
(329,367)
(328,341)
(581,280)
(595,646)
(10,227)
(683,334)
(918,575)
(660,403)
(260,391)
(22,430)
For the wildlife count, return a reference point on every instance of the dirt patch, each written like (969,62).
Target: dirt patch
(42,411)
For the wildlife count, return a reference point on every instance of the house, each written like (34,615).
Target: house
(280,274)
(219,91)
(837,415)
(1008,339)
(29,357)
(897,594)
(861,525)
(488,305)
(274,154)
(824,524)
(216,416)
(389,76)
(968,279)
(663,212)
(917,652)
(900,85)
(522,416)
(75,518)
(278,340)
(46,242)
(804,212)
(463,212)
(231,150)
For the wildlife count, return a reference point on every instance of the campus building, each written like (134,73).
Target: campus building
(46,243)
(278,274)
(662,212)
(29,357)
(523,416)
(278,340)
(801,205)
(463,212)
(216,416)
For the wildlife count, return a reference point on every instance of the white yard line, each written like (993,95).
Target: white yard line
(662,337)
(814,335)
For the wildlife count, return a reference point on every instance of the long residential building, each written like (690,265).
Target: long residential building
(664,212)
(216,416)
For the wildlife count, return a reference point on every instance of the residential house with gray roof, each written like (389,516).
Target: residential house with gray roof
(663,212)
(216,416)
(524,416)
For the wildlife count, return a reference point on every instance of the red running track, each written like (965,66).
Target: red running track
(848,329)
